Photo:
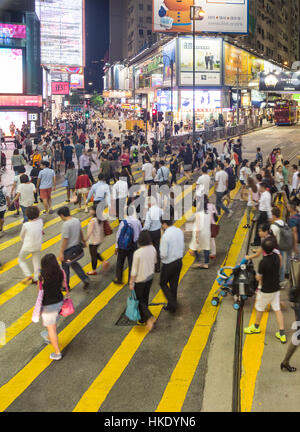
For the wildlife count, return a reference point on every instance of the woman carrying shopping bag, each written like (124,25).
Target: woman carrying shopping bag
(142,273)
(52,282)
(95,236)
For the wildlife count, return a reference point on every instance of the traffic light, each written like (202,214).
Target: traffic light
(154,115)
(88,102)
(144,114)
(160,116)
(87,115)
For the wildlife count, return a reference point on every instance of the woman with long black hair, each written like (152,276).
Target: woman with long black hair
(52,281)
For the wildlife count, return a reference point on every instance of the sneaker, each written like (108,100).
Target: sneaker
(282,338)
(92,273)
(51,211)
(252,329)
(246,226)
(230,214)
(54,356)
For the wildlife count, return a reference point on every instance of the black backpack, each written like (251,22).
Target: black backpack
(244,280)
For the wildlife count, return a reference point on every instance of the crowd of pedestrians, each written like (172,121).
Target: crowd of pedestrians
(96,169)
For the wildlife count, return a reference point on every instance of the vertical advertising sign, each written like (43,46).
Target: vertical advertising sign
(208,61)
(217,16)
(62,32)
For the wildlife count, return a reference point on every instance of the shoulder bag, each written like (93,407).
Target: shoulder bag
(132,310)
(67,307)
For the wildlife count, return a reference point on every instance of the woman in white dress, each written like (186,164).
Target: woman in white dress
(201,234)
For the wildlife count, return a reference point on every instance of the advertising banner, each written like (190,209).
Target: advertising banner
(237,61)
(169,56)
(217,16)
(12,31)
(21,101)
(280,81)
(205,99)
(208,61)
(62,32)
(60,88)
(16,117)
(11,71)
(77,81)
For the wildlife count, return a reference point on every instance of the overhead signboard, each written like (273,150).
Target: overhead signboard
(77,81)
(62,32)
(12,31)
(21,101)
(11,71)
(208,61)
(60,88)
(217,16)
(280,81)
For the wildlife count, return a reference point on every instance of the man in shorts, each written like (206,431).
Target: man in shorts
(46,182)
(268,278)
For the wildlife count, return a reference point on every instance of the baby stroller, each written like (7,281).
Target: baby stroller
(241,283)
(3,161)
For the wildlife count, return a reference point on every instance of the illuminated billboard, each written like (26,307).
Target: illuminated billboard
(208,61)
(21,101)
(12,31)
(77,82)
(62,32)
(205,99)
(280,81)
(11,71)
(60,88)
(217,16)
(16,117)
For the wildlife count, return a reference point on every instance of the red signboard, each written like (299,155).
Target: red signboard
(21,101)
(12,31)
(60,88)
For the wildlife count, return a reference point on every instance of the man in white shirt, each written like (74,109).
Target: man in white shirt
(265,211)
(119,195)
(221,188)
(203,183)
(171,253)
(147,169)
(25,192)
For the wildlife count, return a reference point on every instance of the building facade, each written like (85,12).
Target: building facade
(20,71)
(274,30)
(130,28)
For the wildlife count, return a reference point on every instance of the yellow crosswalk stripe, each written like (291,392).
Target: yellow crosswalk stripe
(252,357)
(96,394)
(25,320)
(181,378)
(18,384)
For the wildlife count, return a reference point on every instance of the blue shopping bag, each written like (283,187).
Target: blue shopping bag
(132,310)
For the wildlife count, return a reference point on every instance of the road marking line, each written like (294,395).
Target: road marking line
(18,384)
(96,394)
(181,378)
(252,357)
(10,391)
(25,320)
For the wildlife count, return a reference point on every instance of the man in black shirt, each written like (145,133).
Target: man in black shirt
(269,288)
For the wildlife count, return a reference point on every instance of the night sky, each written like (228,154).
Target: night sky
(97,41)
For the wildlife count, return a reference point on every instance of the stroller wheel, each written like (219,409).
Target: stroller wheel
(223,293)
(244,297)
(215,301)
(236,306)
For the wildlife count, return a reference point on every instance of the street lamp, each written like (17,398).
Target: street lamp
(197,14)
(172,87)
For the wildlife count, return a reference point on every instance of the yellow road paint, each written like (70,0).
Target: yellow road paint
(18,384)
(252,357)
(251,361)
(181,378)
(25,320)
(96,394)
